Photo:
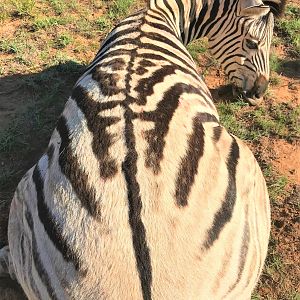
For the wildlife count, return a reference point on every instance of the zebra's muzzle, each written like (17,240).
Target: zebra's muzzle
(255,95)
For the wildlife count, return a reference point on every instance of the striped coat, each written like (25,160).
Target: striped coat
(141,194)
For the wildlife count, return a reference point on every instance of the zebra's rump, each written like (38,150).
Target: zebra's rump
(178,219)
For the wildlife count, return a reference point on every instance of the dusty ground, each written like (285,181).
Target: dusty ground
(29,108)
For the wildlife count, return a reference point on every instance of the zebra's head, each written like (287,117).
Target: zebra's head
(243,45)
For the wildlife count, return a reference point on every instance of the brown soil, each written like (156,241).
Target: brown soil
(7,30)
(285,157)
(285,243)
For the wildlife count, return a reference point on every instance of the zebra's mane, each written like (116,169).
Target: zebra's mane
(277,6)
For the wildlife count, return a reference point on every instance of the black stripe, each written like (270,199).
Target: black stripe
(189,164)
(232,34)
(72,170)
(23,254)
(227,17)
(159,59)
(142,252)
(50,152)
(235,68)
(217,21)
(146,85)
(158,49)
(170,10)
(181,18)
(224,214)
(201,17)
(41,270)
(226,42)
(162,117)
(229,57)
(129,168)
(121,42)
(114,35)
(207,118)
(108,84)
(217,133)
(102,140)
(103,56)
(165,16)
(161,27)
(156,37)
(161,18)
(115,64)
(53,230)
(224,54)
(212,17)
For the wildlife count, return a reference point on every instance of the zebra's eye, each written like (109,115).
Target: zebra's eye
(251,44)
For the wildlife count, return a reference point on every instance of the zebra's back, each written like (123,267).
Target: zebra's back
(141,193)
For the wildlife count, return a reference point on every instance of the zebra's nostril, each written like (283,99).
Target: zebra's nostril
(257,95)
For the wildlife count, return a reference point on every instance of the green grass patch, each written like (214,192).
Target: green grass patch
(276,40)
(7,176)
(23,7)
(229,117)
(9,137)
(59,6)
(275,63)
(119,8)
(274,79)
(4,12)
(8,47)
(197,47)
(276,184)
(11,46)
(292,11)
(103,23)
(85,28)
(274,262)
(63,41)
(289,28)
(47,22)
(281,120)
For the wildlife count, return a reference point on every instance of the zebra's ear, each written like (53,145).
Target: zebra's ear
(252,8)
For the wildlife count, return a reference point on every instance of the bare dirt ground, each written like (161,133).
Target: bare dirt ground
(28,82)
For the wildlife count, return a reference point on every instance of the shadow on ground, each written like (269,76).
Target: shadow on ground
(29,107)
(291,68)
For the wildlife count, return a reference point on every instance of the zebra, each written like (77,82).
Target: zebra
(141,193)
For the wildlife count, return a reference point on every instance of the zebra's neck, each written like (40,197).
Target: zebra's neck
(192,19)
